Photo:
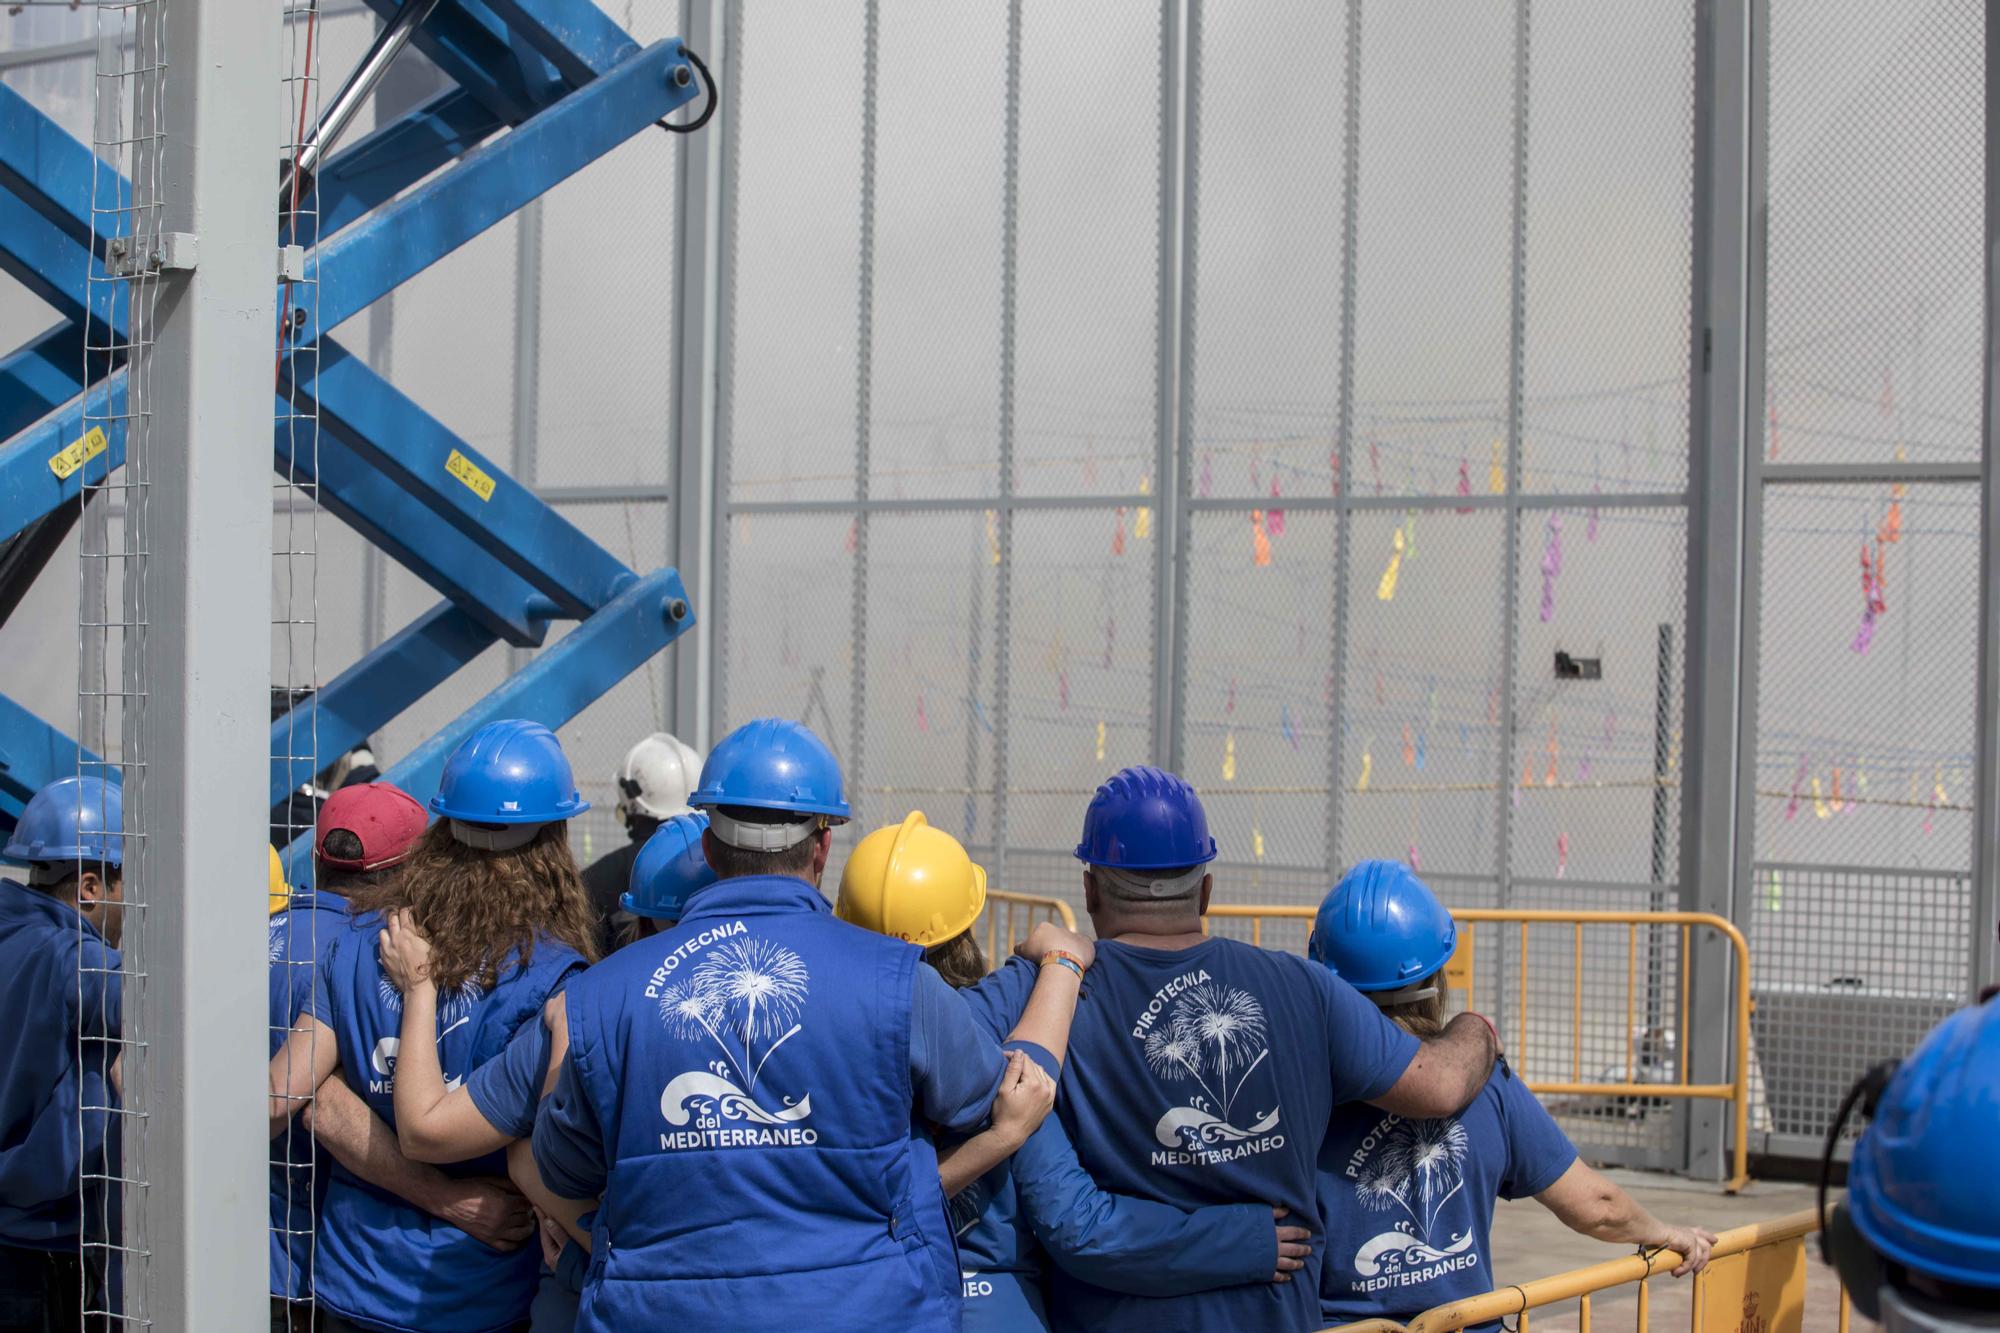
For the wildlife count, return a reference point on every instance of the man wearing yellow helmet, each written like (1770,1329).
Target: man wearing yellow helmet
(917,883)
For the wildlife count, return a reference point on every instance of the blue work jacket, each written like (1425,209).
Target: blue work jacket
(60,1020)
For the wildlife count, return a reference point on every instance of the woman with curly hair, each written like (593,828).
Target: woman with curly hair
(495,892)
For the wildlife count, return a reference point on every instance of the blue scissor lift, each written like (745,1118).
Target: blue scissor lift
(567,85)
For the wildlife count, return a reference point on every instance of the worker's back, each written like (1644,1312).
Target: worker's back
(750,1071)
(380,1258)
(59,987)
(1208,1075)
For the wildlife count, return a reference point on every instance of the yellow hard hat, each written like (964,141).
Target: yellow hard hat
(280,893)
(911,882)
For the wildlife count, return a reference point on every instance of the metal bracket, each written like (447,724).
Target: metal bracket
(175,253)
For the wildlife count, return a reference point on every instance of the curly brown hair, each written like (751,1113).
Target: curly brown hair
(476,907)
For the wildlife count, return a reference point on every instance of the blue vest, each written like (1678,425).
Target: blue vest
(1195,1077)
(381,1262)
(750,1070)
(302,936)
(42,1082)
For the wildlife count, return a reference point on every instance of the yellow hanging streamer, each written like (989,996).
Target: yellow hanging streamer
(1142,523)
(1937,788)
(1367,769)
(1257,842)
(1386,590)
(1496,474)
(1819,802)
(1100,741)
(1260,541)
(993,535)
(1229,757)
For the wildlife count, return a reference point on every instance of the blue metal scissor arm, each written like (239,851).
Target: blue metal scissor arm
(563,680)
(407,447)
(32,755)
(40,376)
(370,259)
(368,695)
(375,167)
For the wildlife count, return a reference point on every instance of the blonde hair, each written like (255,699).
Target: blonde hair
(1421,1018)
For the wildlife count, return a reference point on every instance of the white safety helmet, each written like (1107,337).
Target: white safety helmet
(657,776)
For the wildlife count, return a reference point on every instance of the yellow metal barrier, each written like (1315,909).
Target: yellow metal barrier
(1458,975)
(1033,906)
(1756,1277)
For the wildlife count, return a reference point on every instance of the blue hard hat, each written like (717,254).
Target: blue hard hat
(1381,928)
(773,764)
(508,772)
(1924,1178)
(1145,819)
(71,819)
(669,870)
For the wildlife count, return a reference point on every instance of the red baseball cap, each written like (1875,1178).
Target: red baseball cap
(387,819)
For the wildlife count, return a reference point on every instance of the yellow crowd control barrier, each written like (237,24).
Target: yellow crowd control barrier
(1458,976)
(1755,1279)
(1021,909)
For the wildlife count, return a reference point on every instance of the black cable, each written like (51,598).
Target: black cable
(1870,1086)
(708,81)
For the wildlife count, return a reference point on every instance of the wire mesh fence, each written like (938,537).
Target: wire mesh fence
(127,203)
(1414,456)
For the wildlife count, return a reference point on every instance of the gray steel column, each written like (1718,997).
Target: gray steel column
(1003,597)
(206,660)
(1726,370)
(1350,231)
(1986,780)
(864,370)
(1180,120)
(1517,323)
(527,360)
(692,429)
(714,612)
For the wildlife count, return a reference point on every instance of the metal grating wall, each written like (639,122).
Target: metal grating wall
(1186,383)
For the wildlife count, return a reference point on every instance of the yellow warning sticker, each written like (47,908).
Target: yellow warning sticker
(79,452)
(475,478)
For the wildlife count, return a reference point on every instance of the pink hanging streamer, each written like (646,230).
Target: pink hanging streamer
(1798,781)
(1274,518)
(1464,481)
(1552,564)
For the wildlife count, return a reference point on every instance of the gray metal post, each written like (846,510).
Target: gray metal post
(206,663)
(714,613)
(1517,322)
(1985,960)
(691,444)
(1003,597)
(864,371)
(1180,127)
(527,360)
(1725,368)
(1350,224)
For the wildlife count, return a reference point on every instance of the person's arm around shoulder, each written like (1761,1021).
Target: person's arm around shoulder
(1063,957)
(436,1123)
(1373,1060)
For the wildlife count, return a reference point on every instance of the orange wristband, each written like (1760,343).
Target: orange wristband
(1064,958)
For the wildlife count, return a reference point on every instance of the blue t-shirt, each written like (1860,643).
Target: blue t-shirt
(1407,1204)
(508,1089)
(1209,1075)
